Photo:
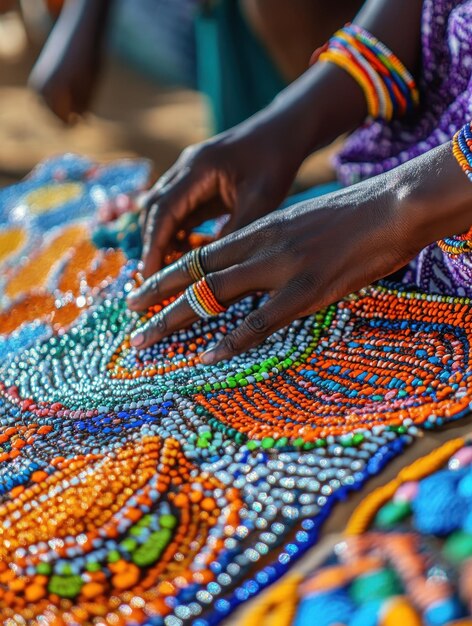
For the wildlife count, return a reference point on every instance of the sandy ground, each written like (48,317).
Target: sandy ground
(133,117)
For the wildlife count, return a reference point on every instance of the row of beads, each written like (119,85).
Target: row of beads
(389,88)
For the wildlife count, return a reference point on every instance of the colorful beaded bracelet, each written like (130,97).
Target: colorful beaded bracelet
(462,150)
(389,88)
(202,300)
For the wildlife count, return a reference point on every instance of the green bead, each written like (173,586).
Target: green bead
(168,521)
(240,438)
(114,556)
(202,442)
(129,544)
(65,586)
(458,546)
(282,442)
(392,513)
(377,585)
(44,568)
(358,438)
(309,445)
(298,443)
(267,443)
(150,551)
(93,566)
(252,445)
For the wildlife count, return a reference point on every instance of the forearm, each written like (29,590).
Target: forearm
(433,195)
(326,101)
(77,17)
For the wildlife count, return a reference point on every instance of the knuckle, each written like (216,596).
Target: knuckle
(189,153)
(230,343)
(154,284)
(258,323)
(305,288)
(216,284)
(157,325)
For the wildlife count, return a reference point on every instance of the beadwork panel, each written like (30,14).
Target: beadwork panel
(406,557)
(144,488)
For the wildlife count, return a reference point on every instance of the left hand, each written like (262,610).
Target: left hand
(306,257)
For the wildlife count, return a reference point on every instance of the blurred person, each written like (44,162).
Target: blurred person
(240,54)
(400,79)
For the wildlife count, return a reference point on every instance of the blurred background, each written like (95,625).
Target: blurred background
(141,99)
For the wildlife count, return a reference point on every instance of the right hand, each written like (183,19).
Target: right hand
(245,172)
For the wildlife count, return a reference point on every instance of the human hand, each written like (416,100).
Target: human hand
(245,172)
(305,257)
(68,67)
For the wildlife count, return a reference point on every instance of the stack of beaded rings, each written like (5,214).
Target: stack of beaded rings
(194,265)
(462,150)
(389,88)
(202,300)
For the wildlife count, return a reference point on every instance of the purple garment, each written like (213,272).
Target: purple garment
(446,105)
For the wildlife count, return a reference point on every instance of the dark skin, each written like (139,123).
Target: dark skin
(291,30)
(67,70)
(314,253)
(224,174)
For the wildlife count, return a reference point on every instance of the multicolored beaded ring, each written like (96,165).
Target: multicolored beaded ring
(202,300)
(194,265)
(389,88)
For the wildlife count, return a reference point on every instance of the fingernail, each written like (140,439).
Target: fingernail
(208,357)
(137,339)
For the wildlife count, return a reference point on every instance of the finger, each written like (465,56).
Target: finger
(217,256)
(149,198)
(206,211)
(280,310)
(227,286)
(185,193)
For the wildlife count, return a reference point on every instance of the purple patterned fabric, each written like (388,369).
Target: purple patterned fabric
(446,96)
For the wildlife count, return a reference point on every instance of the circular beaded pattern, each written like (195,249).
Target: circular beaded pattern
(145,488)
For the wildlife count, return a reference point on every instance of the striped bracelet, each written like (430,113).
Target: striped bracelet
(389,88)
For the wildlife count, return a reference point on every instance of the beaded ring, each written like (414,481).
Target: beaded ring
(388,86)
(194,265)
(202,300)
(462,150)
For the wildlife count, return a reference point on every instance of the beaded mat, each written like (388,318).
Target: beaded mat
(406,558)
(144,488)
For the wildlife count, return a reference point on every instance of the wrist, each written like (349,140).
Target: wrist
(432,196)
